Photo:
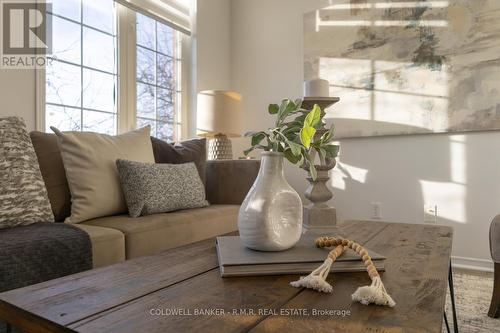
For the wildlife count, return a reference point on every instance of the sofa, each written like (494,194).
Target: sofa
(494,310)
(118,238)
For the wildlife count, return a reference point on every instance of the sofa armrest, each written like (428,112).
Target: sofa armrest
(495,239)
(228,181)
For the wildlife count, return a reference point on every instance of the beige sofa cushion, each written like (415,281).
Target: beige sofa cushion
(154,233)
(90,165)
(108,245)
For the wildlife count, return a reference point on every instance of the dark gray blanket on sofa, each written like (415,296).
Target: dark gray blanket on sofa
(40,252)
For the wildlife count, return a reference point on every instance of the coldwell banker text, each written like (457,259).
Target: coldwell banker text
(247,312)
(26,36)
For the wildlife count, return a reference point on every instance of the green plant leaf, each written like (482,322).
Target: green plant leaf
(312,168)
(273,108)
(316,144)
(332,151)
(306,136)
(290,107)
(330,132)
(295,148)
(322,152)
(291,157)
(248,151)
(313,172)
(293,133)
(327,137)
(283,106)
(313,117)
(258,137)
(300,119)
(298,103)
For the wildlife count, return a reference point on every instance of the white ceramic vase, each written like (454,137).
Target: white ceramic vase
(270,218)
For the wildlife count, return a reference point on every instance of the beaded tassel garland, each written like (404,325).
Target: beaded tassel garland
(374,293)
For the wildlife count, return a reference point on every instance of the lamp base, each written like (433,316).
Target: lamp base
(219,148)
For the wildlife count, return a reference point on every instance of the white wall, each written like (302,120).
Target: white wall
(214,44)
(459,173)
(17,95)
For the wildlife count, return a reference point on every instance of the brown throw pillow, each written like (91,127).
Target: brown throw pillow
(54,176)
(194,150)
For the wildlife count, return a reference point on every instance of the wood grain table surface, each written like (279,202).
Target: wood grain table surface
(180,290)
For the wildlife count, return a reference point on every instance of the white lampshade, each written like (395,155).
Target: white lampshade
(219,112)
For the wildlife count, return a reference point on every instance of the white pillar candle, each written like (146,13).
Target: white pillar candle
(316,88)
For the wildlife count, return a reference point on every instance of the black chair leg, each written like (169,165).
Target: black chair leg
(452,295)
(446,322)
(8,328)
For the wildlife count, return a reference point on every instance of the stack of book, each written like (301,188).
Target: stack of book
(237,260)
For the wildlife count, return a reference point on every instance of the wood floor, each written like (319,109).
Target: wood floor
(472,292)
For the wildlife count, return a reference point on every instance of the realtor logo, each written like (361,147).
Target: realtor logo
(26,36)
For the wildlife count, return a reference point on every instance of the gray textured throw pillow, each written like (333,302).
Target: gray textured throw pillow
(160,188)
(23,196)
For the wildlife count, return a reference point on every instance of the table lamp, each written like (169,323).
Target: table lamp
(218,118)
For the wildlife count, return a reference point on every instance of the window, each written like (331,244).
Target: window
(81,80)
(158,78)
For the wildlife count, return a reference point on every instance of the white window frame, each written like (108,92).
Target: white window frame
(126,84)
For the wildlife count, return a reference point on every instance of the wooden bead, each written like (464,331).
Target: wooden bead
(340,245)
(372,271)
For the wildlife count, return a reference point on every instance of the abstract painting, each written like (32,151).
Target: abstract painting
(407,67)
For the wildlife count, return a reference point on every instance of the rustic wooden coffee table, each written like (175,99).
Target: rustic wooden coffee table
(181,291)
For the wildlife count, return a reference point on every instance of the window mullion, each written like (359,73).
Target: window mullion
(126,69)
(81,66)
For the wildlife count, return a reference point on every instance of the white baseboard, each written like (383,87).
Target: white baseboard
(472,263)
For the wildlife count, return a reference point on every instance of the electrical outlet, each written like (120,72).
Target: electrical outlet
(376,211)
(430,213)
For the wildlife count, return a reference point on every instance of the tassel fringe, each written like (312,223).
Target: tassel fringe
(375,293)
(372,294)
(317,279)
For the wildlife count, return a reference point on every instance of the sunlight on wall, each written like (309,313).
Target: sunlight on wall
(458,163)
(387,5)
(449,197)
(344,173)
(410,95)
(381,23)
(356,73)
(387,91)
